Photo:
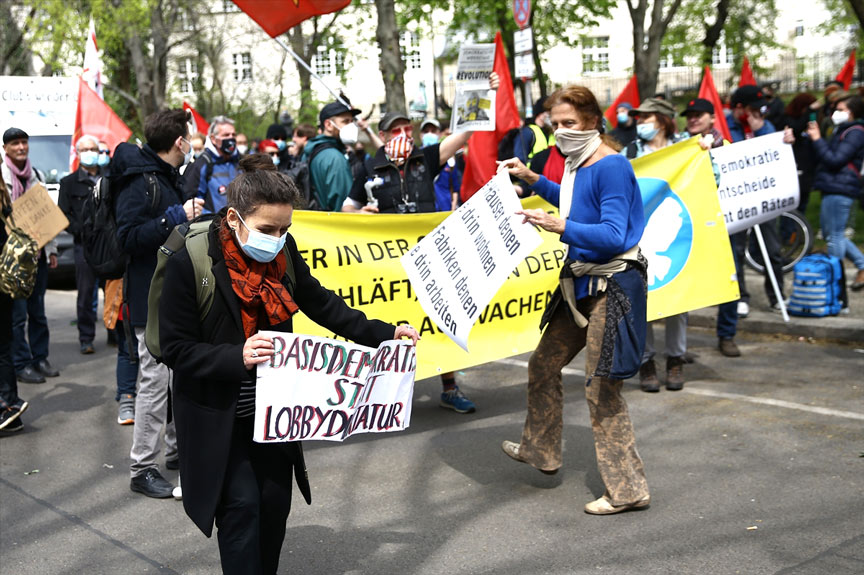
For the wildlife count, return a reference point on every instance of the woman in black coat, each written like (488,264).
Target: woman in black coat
(244,486)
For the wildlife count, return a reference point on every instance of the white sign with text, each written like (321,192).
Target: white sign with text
(316,388)
(457,269)
(758,181)
(474,102)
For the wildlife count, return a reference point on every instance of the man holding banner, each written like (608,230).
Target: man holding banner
(599,305)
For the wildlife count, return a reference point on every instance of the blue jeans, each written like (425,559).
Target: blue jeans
(833,215)
(727,313)
(32,347)
(127,370)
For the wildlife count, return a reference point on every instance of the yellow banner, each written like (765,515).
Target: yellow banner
(357,256)
(690,263)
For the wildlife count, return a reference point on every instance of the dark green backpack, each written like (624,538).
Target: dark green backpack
(194,235)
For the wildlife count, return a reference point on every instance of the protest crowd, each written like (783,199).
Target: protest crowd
(196,401)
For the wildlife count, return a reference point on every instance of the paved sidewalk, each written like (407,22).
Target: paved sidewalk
(763,320)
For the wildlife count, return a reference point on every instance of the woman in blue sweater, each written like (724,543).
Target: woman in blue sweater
(599,305)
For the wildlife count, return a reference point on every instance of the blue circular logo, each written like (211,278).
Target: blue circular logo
(668,237)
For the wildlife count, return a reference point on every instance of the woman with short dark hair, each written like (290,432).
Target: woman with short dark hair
(244,486)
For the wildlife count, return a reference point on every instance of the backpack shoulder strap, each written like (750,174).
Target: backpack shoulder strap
(320,148)
(289,271)
(197,245)
(153,189)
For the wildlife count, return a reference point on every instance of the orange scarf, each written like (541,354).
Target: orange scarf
(264,301)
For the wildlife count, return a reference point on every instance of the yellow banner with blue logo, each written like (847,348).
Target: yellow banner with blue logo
(357,256)
(690,263)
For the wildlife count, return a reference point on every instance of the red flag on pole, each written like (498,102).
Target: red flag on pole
(198,121)
(709,92)
(845,75)
(278,16)
(747,78)
(96,118)
(630,95)
(483,146)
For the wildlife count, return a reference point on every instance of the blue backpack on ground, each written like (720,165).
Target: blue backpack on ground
(817,288)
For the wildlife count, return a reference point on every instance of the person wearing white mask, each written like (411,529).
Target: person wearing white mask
(329,171)
(74,189)
(838,179)
(600,304)
(655,129)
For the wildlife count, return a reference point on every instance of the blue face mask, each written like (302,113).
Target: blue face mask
(275,160)
(623,118)
(281,144)
(261,247)
(429,139)
(647,131)
(104,160)
(89,158)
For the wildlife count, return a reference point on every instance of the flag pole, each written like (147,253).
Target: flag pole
(769,269)
(294,55)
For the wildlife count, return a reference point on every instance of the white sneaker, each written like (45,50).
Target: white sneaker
(743,309)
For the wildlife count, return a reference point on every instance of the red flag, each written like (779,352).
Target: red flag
(278,16)
(198,121)
(96,118)
(483,146)
(746,74)
(709,92)
(847,72)
(629,94)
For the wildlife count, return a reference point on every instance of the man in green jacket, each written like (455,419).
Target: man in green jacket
(329,170)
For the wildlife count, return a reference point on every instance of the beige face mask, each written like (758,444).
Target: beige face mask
(576,144)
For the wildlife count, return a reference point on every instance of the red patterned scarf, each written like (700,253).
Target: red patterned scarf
(264,301)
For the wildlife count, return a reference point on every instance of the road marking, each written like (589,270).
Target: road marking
(724,395)
(775,403)
(522,363)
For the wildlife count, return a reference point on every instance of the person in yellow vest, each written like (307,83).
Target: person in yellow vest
(532,137)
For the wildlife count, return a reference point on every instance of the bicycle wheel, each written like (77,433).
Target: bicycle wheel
(796,238)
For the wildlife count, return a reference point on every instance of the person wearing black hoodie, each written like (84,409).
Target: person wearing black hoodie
(149,203)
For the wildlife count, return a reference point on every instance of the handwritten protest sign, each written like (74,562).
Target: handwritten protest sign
(316,388)
(474,102)
(457,269)
(758,181)
(37,214)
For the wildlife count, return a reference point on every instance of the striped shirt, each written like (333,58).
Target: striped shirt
(246,401)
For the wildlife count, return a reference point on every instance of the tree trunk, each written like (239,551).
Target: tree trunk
(392,67)
(305,115)
(858,8)
(714,31)
(15,56)
(646,50)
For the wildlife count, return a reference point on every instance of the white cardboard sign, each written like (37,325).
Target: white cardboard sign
(758,181)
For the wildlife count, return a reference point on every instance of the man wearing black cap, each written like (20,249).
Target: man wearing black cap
(329,170)
(747,120)
(29,324)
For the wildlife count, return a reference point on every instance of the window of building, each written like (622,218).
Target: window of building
(329,59)
(409,46)
(799,29)
(229,6)
(242,65)
(187,73)
(721,55)
(595,54)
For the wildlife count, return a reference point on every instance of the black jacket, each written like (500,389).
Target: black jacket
(141,230)
(415,182)
(207,359)
(74,189)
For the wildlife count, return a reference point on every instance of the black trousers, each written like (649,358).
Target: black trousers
(255,503)
(771,235)
(8,379)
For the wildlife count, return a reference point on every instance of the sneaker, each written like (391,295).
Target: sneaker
(126,410)
(511,448)
(454,399)
(87,348)
(728,348)
(16,425)
(30,375)
(858,282)
(674,373)
(8,417)
(743,309)
(648,377)
(152,484)
(603,506)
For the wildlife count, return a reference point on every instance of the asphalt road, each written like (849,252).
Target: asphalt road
(756,467)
